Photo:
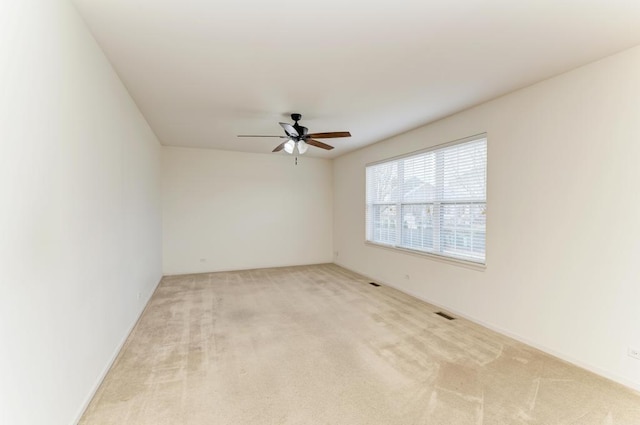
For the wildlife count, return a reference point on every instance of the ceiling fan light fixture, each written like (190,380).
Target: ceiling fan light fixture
(302,147)
(289,146)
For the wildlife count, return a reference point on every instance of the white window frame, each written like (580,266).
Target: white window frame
(436,252)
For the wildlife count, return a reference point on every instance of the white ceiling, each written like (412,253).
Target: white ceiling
(204,71)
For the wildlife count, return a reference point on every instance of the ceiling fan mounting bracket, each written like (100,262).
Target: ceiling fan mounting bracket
(296,117)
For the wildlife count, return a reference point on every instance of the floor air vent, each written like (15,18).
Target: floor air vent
(445,315)
(374,284)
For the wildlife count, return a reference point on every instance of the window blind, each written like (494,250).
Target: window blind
(433,201)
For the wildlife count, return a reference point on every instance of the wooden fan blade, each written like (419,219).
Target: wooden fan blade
(318,144)
(252,135)
(279,147)
(288,128)
(330,135)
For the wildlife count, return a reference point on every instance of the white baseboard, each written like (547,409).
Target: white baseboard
(224,270)
(562,356)
(114,357)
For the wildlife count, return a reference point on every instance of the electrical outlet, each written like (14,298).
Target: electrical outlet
(634,352)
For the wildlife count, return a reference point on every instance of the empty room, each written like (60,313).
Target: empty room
(325,212)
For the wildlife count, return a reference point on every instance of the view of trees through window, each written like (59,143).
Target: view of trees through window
(433,201)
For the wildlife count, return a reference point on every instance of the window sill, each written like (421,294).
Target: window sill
(448,260)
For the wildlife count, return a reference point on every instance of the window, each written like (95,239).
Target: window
(434,201)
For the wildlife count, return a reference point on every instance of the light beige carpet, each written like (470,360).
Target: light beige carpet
(319,345)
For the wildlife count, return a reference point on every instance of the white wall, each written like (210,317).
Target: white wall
(563,231)
(80,220)
(232,210)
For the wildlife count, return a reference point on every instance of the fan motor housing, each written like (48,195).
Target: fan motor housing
(302,131)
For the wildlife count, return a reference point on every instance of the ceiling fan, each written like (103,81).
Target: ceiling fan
(299,139)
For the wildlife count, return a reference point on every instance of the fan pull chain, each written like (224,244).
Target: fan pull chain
(296,159)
